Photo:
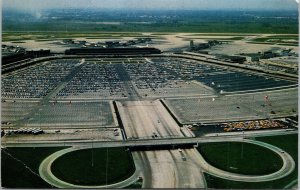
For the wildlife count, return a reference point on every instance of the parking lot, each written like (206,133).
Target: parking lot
(188,86)
(13,111)
(60,114)
(106,78)
(230,82)
(36,81)
(73,114)
(235,107)
(219,78)
(93,80)
(152,80)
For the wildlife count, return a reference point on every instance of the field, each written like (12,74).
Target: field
(205,21)
(217,26)
(50,36)
(94,166)
(24,163)
(289,143)
(20,167)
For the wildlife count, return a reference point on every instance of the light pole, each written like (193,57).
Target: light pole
(92,153)
(106,165)
(227,154)
(242,152)
(40,117)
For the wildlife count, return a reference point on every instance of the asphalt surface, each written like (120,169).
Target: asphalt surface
(235,107)
(167,169)
(147,120)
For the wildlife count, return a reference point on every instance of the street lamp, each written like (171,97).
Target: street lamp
(92,153)
(242,152)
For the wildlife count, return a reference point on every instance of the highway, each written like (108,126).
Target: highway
(141,119)
(167,169)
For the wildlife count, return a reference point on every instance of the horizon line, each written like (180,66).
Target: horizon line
(153,9)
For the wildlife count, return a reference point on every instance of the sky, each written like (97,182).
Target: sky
(152,4)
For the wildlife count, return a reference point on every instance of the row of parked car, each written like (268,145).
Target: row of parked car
(34,131)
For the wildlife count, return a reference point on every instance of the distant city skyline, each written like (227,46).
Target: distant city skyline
(152,4)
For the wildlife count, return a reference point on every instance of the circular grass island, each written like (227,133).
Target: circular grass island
(94,167)
(241,158)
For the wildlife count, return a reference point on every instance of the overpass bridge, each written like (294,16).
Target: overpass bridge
(158,143)
(176,142)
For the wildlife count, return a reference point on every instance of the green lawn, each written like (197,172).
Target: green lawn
(289,143)
(20,167)
(243,158)
(94,166)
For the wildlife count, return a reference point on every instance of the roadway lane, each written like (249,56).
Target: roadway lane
(143,118)
(167,169)
(128,85)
